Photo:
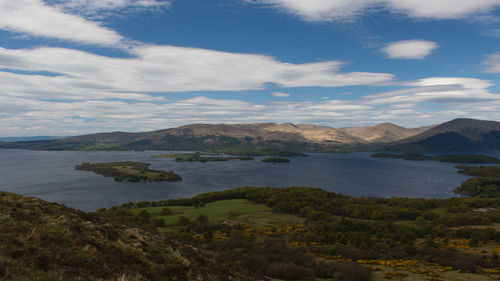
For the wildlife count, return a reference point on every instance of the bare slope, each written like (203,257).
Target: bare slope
(384,132)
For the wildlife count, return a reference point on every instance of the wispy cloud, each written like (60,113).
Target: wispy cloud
(102,8)
(409,49)
(342,10)
(495,33)
(280,95)
(438,90)
(492,63)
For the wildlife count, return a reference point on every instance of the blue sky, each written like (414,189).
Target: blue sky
(81,66)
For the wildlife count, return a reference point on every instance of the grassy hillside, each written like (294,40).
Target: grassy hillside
(312,234)
(253,233)
(45,241)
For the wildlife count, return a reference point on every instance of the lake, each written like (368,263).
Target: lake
(50,175)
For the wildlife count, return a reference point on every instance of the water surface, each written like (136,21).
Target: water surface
(50,175)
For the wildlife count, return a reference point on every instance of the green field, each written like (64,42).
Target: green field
(215,211)
(439,211)
(267,218)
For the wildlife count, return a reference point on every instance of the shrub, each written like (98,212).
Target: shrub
(2,268)
(166,211)
(158,222)
(288,271)
(183,220)
(144,214)
(203,219)
(351,271)
(109,232)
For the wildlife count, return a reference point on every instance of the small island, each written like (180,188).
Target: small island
(249,151)
(129,171)
(452,158)
(200,157)
(275,160)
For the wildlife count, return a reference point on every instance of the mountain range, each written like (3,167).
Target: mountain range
(456,135)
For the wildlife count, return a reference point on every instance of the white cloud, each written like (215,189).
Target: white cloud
(92,93)
(177,69)
(280,95)
(495,33)
(335,10)
(35,18)
(492,63)
(468,83)
(409,49)
(438,90)
(30,116)
(101,8)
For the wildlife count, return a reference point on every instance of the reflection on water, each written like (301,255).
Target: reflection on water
(50,176)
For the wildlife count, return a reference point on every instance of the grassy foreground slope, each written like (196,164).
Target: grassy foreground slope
(327,236)
(46,241)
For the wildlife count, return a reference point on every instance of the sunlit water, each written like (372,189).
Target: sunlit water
(50,176)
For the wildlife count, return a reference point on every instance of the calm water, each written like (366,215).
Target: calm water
(50,176)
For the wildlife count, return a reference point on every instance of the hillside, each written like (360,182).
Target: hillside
(384,132)
(280,139)
(46,241)
(456,135)
(300,233)
(231,138)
